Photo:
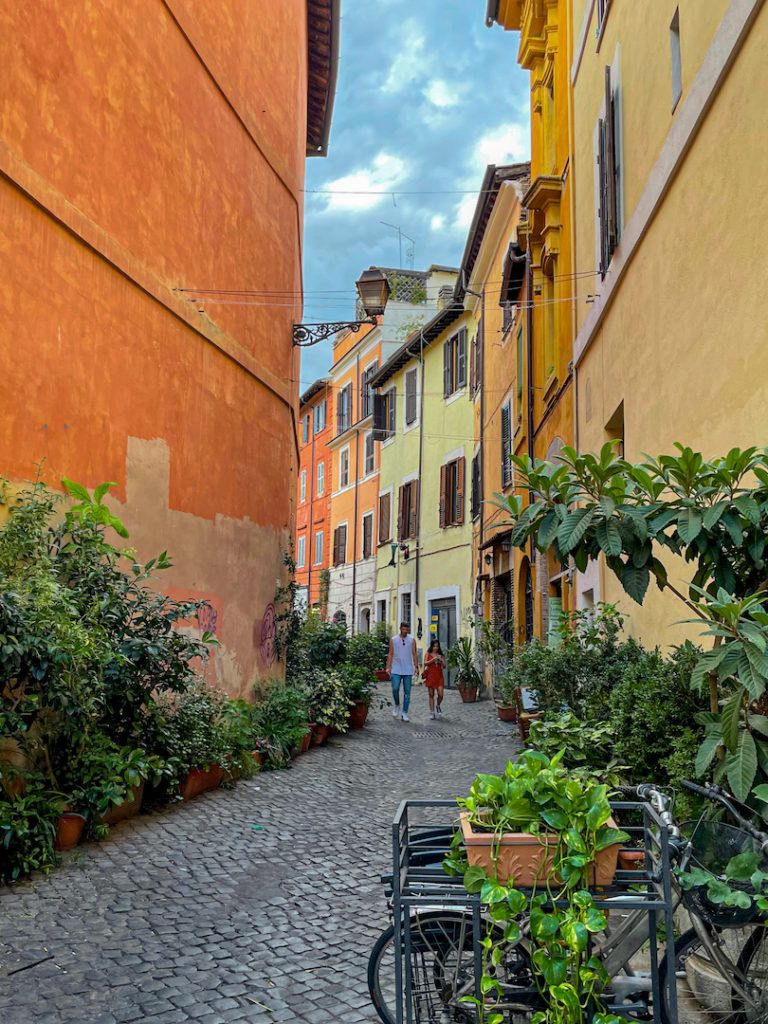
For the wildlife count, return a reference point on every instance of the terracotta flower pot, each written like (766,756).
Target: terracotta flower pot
(307,741)
(524,722)
(127,809)
(199,781)
(632,860)
(527,858)
(69,830)
(320,735)
(507,714)
(259,757)
(468,694)
(358,715)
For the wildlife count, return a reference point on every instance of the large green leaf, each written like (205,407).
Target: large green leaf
(689,524)
(741,766)
(548,528)
(608,537)
(731,718)
(713,513)
(706,752)
(635,581)
(76,490)
(573,528)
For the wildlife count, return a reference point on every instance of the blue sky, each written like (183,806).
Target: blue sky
(427,96)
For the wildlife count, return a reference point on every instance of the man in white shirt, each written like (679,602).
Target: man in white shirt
(402,662)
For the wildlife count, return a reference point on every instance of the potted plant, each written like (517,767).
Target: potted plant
(28,829)
(549,830)
(106,781)
(461,657)
(359,686)
(508,696)
(281,723)
(329,705)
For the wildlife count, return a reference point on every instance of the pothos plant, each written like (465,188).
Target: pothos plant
(713,513)
(569,813)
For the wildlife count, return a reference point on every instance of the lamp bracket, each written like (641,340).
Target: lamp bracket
(305,335)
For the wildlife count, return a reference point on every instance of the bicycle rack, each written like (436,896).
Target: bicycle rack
(419,883)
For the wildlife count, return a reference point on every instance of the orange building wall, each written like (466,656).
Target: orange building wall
(313,515)
(146,148)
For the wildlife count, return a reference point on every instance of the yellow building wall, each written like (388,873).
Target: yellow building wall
(684,344)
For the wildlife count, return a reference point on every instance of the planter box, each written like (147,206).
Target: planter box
(527,859)
(358,715)
(320,735)
(127,809)
(632,860)
(507,714)
(69,830)
(199,781)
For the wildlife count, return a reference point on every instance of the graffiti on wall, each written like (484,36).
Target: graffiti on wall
(264,631)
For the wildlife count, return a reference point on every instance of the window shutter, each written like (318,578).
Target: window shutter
(506,445)
(410,396)
(443,495)
(336,546)
(392,411)
(610,166)
(447,346)
(461,359)
(413,510)
(473,365)
(400,512)
(460,488)
(480,344)
(379,417)
(384,511)
(342,545)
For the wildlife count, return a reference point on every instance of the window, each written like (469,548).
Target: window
(381,610)
(319,417)
(614,430)
(384,415)
(319,544)
(677,68)
(344,409)
(303,486)
(366,391)
(305,429)
(367,534)
(320,478)
(455,363)
(506,445)
(370,454)
(408,511)
(344,467)
(385,518)
(608,177)
(451,509)
(340,545)
(406,607)
(476,500)
(411,380)
(301,552)
(519,381)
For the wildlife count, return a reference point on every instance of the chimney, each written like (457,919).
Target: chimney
(445,296)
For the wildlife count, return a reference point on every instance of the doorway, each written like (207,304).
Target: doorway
(443,614)
(364,624)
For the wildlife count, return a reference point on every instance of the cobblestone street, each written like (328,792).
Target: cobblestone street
(193,914)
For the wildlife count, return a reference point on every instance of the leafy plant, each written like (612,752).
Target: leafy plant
(368,651)
(570,813)
(462,657)
(329,702)
(28,830)
(587,745)
(104,775)
(280,721)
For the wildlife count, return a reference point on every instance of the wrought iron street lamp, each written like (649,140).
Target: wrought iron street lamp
(373,289)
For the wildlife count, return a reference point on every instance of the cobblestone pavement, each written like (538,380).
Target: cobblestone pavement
(191,914)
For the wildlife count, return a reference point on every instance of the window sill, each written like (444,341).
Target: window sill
(550,387)
(408,427)
(388,441)
(461,393)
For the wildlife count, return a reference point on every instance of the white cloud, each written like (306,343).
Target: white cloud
(505,144)
(437,221)
(412,62)
(441,94)
(464,212)
(366,187)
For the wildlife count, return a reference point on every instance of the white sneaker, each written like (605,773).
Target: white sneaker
(433,715)
(405,717)
(439,711)
(396,712)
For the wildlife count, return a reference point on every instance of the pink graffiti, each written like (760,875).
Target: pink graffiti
(267,635)
(208,618)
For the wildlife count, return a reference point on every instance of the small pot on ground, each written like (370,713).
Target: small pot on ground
(507,713)
(199,780)
(358,715)
(320,735)
(258,757)
(307,741)
(69,830)
(524,722)
(127,809)
(468,693)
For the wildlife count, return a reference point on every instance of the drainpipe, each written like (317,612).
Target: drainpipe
(357,485)
(421,461)
(311,532)
(529,368)
(481,450)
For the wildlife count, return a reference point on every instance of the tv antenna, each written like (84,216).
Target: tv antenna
(410,251)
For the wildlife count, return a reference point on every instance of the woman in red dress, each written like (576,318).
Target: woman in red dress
(434,663)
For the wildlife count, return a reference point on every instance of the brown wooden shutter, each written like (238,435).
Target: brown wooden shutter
(384,500)
(461,465)
(461,359)
(443,495)
(342,545)
(413,511)
(610,166)
(336,546)
(447,348)
(400,511)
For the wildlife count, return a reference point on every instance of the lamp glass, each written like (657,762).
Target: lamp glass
(373,289)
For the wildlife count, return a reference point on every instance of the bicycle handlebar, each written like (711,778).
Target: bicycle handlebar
(718,796)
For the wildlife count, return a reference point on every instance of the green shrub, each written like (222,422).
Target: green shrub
(280,721)
(584,744)
(28,830)
(329,702)
(368,651)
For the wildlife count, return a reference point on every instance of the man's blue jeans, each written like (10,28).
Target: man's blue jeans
(407,682)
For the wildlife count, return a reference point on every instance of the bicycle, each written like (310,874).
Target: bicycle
(441,942)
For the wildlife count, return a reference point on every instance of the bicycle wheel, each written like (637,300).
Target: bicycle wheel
(443,969)
(703,994)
